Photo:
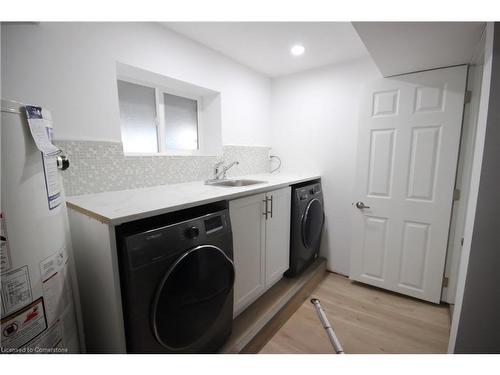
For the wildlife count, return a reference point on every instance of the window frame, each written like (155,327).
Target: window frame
(160,119)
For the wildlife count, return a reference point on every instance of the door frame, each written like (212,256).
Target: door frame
(487,55)
(462,182)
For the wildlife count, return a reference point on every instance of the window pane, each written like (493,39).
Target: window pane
(181,123)
(138,117)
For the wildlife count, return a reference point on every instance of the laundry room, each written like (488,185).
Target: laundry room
(256,186)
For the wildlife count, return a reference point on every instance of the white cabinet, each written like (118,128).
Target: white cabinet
(277,235)
(249,249)
(261,238)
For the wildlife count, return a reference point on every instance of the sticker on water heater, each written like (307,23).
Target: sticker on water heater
(16,289)
(23,326)
(51,338)
(55,296)
(5,260)
(41,129)
(53,263)
(52,183)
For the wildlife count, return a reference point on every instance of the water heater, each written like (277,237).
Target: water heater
(39,300)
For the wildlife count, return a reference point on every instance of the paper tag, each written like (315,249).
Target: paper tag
(5,260)
(52,183)
(41,130)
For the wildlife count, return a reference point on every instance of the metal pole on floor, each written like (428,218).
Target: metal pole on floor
(326,325)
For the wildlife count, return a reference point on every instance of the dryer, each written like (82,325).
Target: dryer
(177,277)
(307,218)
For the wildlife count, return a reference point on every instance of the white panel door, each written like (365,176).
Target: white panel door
(277,234)
(408,142)
(248,226)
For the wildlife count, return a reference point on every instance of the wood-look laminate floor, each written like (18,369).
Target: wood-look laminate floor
(366,320)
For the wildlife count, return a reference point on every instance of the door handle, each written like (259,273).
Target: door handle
(265,209)
(361,205)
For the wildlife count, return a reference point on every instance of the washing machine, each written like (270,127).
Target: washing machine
(307,219)
(177,277)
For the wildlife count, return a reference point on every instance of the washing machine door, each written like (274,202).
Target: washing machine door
(191,296)
(312,223)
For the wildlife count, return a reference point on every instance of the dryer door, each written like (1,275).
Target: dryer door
(191,296)
(312,223)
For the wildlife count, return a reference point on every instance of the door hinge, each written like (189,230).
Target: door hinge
(468,97)
(456,194)
(446,280)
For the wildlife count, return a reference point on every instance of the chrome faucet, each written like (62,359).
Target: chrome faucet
(220,170)
(217,169)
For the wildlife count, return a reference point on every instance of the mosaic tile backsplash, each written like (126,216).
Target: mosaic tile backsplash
(102,166)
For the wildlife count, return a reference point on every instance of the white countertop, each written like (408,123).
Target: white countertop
(116,207)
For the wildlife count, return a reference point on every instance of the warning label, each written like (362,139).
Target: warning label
(51,265)
(16,289)
(49,341)
(23,326)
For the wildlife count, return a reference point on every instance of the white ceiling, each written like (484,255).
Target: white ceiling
(265,46)
(403,47)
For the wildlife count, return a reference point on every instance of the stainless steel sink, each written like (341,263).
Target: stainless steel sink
(234,183)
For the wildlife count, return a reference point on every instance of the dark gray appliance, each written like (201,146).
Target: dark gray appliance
(307,220)
(177,277)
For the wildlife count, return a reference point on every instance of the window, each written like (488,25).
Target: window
(138,117)
(181,122)
(162,115)
(156,121)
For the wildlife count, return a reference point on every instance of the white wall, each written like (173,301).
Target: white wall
(314,122)
(71,69)
(403,47)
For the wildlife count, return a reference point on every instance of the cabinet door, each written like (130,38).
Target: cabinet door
(248,225)
(277,235)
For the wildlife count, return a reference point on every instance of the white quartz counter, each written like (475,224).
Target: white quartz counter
(116,207)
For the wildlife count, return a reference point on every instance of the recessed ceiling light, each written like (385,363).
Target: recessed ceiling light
(297,50)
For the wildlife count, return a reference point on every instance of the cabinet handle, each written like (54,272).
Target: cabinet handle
(271,206)
(265,209)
